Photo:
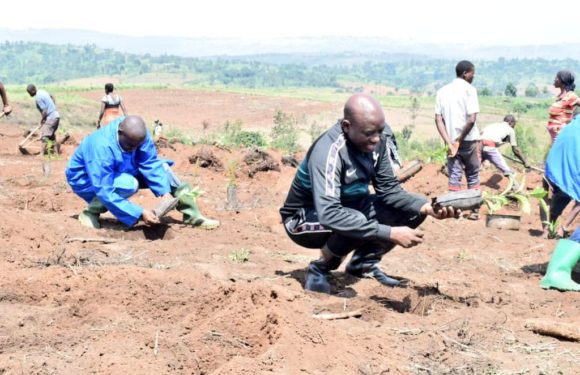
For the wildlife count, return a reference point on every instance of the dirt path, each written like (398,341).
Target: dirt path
(172,300)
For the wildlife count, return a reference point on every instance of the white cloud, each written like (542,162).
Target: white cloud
(445,21)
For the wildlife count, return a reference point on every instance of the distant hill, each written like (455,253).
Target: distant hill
(25,62)
(204,47)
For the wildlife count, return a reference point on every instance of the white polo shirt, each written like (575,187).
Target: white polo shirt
(499,133)
(455,102)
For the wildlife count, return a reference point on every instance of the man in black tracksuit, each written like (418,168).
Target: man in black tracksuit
(329,205)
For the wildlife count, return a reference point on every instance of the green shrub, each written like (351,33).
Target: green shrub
(430,151)
(234,136)
(177,135)
(285,133)
(251,139)
(528,142)
(315,131)
(239,256)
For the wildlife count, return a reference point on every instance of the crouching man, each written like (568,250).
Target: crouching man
(329,205)
(111,164)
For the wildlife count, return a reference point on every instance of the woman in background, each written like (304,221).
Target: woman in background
(562,111)
(110,105)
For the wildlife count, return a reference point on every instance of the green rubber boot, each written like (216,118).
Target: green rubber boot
(90,215)
(559,273)
(188,207)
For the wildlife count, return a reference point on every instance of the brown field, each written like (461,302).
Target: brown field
(173,300)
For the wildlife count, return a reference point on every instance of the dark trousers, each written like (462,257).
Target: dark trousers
(467,157)
(305,229)
(558,202)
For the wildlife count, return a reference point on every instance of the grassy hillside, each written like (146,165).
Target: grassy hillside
(47,64)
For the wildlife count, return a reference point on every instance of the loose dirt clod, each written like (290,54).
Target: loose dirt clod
(290,160)
(260,161)
(205,158)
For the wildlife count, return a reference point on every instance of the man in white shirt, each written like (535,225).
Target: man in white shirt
(495,135)
(456,111)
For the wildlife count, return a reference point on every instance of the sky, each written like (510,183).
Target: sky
(484,22)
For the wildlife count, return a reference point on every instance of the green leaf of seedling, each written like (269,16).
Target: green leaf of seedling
(523,202)
(522,185)
(194,193)
(509,185)
(538,193)
(545,208)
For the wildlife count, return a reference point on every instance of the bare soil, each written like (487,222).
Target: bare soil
(173,299)
(200,111)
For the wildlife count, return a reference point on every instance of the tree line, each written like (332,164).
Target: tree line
(25,62)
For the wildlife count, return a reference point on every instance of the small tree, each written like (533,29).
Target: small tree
(511,90)
(414,107)
(485,92)
(285,133)
(407,132)
(519,108)
(532,90)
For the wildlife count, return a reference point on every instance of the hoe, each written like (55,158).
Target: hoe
(26,142)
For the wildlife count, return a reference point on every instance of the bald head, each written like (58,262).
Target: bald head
(362,108)
(363,122)
(132,132)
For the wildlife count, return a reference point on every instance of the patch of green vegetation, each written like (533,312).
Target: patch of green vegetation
(51,152)
(239,256)
(285,133)
(462,256)
(174,134)
(551,225)
(233,136)
(232,173)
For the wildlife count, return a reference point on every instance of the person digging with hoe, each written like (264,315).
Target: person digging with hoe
(495,135)
(111,164)
(49,120)
(329,205)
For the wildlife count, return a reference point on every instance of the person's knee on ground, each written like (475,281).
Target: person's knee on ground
(319,270)
(188,207)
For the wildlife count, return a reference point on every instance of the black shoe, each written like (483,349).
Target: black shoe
(374,272)
(319,271)
(317,280)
